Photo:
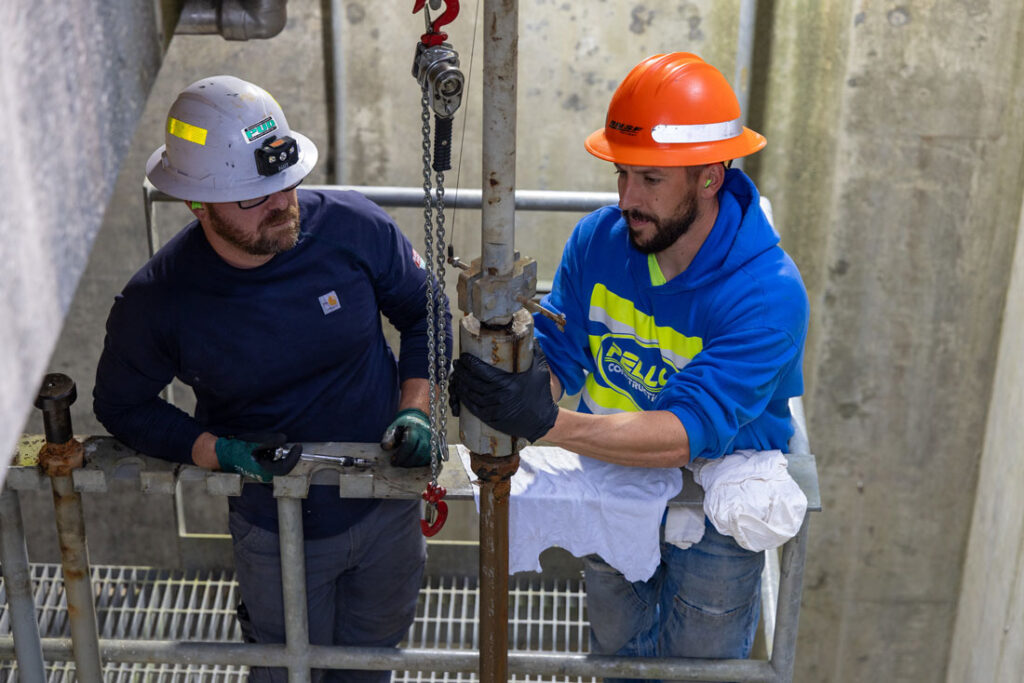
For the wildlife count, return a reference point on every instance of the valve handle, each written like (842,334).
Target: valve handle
(434,36)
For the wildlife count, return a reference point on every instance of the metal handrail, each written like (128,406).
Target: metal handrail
(108,460)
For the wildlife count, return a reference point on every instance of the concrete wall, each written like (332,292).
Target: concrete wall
(70,108)
(894,164)
(988,642)
(895,161)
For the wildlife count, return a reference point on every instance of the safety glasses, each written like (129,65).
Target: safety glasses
(253,203)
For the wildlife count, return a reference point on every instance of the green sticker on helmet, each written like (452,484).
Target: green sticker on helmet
(258,130)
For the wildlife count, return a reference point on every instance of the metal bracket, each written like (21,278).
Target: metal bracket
(493,299)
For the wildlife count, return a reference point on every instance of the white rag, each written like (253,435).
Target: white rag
(684,526)
(750,496)
(560,498)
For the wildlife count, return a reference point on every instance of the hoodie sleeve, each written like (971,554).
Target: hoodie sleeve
(728,385)
(568,352)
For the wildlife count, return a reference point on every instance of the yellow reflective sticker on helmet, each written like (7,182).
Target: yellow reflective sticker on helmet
(186,131)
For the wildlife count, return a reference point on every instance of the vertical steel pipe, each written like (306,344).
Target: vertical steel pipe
(495,474)
(791,582)
(293,587)
(744,61)
(59,457)
(18,582)
(339,94)
(497,261)
(501,21)
(67,506)
(494,582)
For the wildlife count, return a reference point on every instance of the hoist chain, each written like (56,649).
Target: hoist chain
(434,260)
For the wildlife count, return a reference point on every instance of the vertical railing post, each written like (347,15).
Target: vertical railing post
(18,582)
(791,581)
(293,587)
(59,457)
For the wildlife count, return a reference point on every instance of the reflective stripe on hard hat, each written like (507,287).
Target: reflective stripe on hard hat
(697,132)
(186,131)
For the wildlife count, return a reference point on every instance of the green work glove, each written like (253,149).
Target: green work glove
(409,437)
(260,456)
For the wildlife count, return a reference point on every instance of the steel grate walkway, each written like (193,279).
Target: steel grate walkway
(149,604)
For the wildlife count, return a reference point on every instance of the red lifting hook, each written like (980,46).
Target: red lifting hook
(433,496)
(434,36)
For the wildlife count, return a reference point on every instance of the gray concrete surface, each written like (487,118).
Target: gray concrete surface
(894,165)
(988,641)
(71,105)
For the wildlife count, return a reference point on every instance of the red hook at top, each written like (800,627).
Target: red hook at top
(434,36)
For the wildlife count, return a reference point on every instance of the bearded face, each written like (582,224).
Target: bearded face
(276,232)
(660,232)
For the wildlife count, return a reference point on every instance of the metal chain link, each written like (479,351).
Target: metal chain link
(436,299)
(441,303)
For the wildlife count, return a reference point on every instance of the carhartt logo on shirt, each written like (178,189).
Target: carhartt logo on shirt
(329,302)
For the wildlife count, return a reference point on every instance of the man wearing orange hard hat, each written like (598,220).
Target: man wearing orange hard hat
(684,337)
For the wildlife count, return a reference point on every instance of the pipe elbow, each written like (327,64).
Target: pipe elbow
(234,19)
(252,19)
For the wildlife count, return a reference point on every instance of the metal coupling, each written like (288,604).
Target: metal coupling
(493,299)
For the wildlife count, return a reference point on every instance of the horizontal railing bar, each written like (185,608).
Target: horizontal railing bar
(384,659)
(467,198)
(107,460)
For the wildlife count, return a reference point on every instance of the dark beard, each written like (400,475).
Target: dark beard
(267,241)
(667,232)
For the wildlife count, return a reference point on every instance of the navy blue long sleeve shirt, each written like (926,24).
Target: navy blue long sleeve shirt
(293,346)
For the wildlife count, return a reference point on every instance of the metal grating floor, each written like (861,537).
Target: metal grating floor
(149,604)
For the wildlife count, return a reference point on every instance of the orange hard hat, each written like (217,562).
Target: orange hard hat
(673,110)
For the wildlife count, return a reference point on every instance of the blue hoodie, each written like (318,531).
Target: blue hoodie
(720,345)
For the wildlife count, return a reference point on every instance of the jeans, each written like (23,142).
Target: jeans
(701,602)
(361,585)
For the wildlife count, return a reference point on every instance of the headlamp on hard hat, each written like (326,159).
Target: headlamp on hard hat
(276,154)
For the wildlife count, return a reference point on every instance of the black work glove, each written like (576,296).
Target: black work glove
(260,456)
(516,403)
(409,437)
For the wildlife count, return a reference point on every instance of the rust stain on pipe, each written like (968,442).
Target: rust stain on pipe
(59,460)
(495,475)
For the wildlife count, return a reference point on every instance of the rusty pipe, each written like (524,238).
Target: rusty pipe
(495,476)
(59,457)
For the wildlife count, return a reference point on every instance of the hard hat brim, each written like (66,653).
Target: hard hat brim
(198,190)
(647,153)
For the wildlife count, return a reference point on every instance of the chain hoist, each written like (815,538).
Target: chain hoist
(436,69)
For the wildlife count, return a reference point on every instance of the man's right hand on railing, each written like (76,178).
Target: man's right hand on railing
(260,456)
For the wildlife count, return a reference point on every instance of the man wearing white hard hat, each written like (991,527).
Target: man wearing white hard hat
(684,337)
(268,306)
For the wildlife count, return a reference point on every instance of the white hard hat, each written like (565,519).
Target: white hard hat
(227,140)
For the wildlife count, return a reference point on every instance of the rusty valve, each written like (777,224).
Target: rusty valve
(61,453)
